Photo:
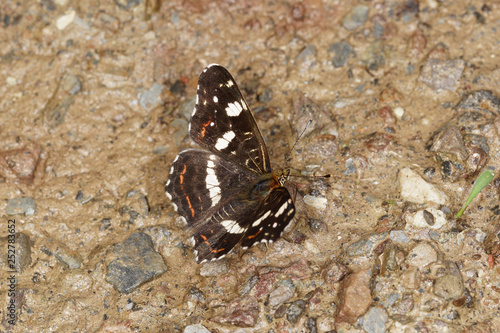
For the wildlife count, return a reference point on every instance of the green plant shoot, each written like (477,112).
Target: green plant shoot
(484,179)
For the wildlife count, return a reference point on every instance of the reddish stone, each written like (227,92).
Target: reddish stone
(19,164)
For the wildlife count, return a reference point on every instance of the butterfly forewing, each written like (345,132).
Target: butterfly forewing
(222,122)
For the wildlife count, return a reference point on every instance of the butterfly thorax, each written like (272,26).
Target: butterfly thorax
(268,182)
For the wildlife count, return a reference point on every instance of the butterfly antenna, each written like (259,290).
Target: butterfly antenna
(288,157)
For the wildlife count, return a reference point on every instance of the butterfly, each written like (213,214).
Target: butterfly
(227,194)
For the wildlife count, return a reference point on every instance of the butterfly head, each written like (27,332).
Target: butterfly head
(283,178)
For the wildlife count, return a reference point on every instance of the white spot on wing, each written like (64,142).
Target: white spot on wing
(232,227)
(223,142)
(216,100)
(234,109)
(169,196)
(212,183)
(211,180)
(281,210)
(243,104)
(230,83)
(259,220)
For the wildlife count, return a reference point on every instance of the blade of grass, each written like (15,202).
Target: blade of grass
(484,179)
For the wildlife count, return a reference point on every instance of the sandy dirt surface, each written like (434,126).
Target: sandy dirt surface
(95,102)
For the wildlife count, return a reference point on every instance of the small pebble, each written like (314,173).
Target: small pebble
(135,263)
(449,287)
(280,295)
(419,219)
(198,328)
(415,189)
(11,81)
(356,17)
(151,98)
(214,268)
(318,203)
(63,254)
(375,319)
(64,21)
(295,311)
(440,74)
(399,236)
(26,206)
(341,53)
(241,312)
(422,255)
(399,112)
(355,297)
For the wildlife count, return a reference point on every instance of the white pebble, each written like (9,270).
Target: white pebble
(399,112)
(316,202)
(415,189)
(65,20)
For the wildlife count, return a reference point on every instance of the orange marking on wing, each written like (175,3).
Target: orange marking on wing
(210,249)
(181,176)
(190,206)
(253,236)
(203,128)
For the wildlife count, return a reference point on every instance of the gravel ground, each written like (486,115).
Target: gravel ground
(95,101)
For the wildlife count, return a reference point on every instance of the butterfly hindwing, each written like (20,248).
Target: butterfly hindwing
(238,220)
(199,181)
(222,122)
(274,215)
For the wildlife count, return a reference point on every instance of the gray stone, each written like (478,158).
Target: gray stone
(198,328)
(378,30)
(280,295)
(26,206)
(440,74)
(214,268)
(341,52)
(375,319)
(295,311)
(151,98)
(356,17)
(63,254)
(307,55)
(399,236)
(136,262)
